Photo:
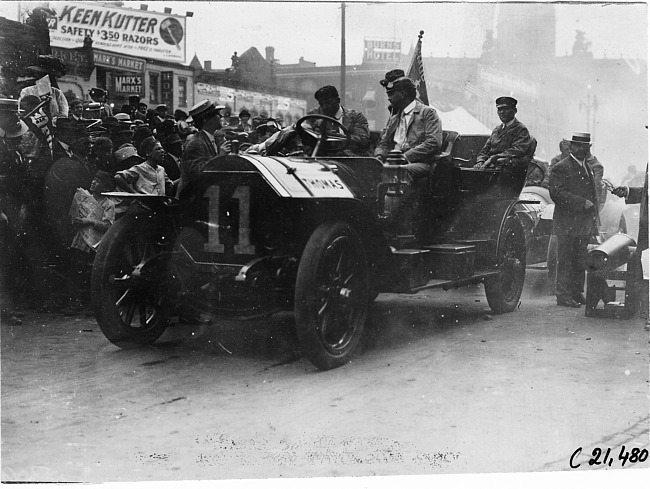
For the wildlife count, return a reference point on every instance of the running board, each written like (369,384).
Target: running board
(477,278)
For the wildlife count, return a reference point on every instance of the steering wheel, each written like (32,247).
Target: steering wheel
(323,140)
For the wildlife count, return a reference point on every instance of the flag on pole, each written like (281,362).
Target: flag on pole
(416,72)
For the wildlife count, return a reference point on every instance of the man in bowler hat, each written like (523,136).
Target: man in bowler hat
(575,219)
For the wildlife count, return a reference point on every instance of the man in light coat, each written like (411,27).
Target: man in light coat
(413,127)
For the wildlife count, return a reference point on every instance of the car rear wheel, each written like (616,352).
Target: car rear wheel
(331,298)
(504,290)
(128,282)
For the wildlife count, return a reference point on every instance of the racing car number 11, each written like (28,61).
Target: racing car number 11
(244,246)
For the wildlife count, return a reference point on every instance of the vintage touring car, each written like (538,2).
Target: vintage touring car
(320,236)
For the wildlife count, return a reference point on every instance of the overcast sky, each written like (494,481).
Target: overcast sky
(313,29)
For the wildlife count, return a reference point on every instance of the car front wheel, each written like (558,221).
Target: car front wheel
(128,282)
(332,294)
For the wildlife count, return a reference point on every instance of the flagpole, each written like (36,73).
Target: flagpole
(342,87)
(419,43)
(416,72)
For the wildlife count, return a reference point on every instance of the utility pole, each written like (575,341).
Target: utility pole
(342,87)
(590,107)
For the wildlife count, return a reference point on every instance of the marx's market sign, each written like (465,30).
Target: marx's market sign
(139,33)
(129,84)
(122,63)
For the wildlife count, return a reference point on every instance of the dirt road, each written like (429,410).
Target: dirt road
(440,387)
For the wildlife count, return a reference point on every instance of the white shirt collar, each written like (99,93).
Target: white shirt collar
(409,108)
(339,113)
(509,123)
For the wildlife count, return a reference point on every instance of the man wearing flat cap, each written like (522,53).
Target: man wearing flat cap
(413,127)
(201,146)
(575,219)
(329,104)
(509,141)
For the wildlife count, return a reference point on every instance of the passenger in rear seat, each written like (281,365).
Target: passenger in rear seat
(510,141)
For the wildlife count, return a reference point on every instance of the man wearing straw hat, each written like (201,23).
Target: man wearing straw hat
(575,219)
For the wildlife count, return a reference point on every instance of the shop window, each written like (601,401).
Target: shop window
(154,87)
(182,92)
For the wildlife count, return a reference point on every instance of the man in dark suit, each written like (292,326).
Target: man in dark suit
(413,128)
(575,219)
(329,104)
(201,147)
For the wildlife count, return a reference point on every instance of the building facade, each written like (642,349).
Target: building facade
(557,94)
(170,84)
(249,83)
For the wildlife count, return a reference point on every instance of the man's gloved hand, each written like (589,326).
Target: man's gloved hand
(480,165)
(620,191)
(225,148)
(489,163)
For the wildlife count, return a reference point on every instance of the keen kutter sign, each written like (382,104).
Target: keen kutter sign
(127,31)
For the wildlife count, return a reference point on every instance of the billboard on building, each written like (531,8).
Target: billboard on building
(139,33)
(378,50)
(288,108)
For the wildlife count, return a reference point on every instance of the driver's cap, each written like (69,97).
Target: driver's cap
(326,92)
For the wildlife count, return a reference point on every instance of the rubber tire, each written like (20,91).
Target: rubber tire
(504,297)
(128,231)
(318,289)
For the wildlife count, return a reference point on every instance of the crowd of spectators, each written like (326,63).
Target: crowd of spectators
(54,167)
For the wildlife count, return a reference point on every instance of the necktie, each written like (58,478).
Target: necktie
(400,133)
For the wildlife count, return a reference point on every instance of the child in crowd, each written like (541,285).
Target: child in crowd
(92,214)
(148,177)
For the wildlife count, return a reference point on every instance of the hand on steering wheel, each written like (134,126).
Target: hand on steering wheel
(324,140)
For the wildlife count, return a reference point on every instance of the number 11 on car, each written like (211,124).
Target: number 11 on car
(243,195)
